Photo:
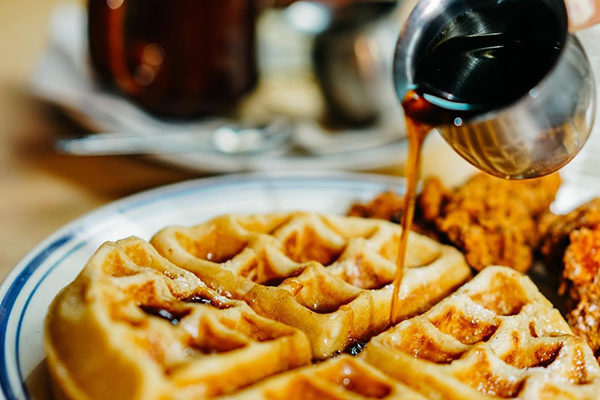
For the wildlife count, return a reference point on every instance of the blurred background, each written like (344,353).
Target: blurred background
(42,190)
(48,91)
(100,100)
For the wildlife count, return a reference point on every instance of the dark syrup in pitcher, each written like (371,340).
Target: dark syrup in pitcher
(486,58)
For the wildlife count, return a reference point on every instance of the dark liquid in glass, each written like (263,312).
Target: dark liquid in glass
(175,57)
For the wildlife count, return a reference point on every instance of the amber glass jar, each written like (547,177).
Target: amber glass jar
(179,58)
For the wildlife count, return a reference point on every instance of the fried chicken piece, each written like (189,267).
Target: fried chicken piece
(571,243)
(492,220)
(581,282)
(390,206)
(557,229)
(434,197)
(385,206)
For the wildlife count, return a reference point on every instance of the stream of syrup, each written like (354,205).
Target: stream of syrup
(414,106)
(485,58)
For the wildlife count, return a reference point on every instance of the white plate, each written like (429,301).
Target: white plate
(31,286)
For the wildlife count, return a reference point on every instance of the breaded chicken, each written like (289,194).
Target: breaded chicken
(386,205)
(581,282)
(556,230)
(571,245)
(390,206)
(492,220)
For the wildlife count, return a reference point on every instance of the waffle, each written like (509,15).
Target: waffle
(327,275)
(341,378)
(496,337)
(134,326)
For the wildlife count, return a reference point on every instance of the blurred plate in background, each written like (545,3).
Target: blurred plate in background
(287,90)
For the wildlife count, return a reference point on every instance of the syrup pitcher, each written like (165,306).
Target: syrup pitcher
(507,85)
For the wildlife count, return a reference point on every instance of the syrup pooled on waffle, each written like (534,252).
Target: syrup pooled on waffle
(340,378)
(134,326)
(496,337)
(327,275)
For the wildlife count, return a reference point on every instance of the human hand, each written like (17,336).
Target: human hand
(582,13)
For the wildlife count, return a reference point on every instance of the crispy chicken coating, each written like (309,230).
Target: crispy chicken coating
(494,221)
(581,282)
(390,206)
(385,206)
(557,229)
(571,242)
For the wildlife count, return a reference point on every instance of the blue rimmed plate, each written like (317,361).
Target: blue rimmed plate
(27,292)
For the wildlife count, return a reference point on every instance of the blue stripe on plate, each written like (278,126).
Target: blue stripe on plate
(26,305)
(8,302)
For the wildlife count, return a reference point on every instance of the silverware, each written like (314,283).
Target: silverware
(227,139)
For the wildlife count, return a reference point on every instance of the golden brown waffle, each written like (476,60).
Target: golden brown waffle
(496,337)
(134,326)
(327,275)
(341,378)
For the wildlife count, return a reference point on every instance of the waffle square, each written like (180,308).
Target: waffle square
(327,275)
(134,326)
(496,337)
(340,378)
